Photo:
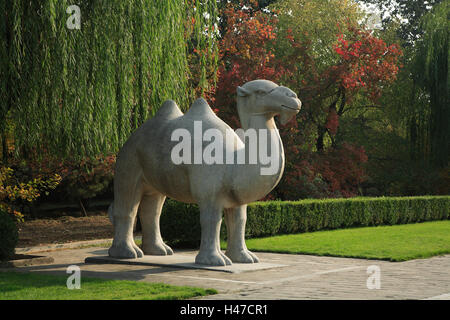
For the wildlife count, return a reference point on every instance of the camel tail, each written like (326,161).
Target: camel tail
(111,212)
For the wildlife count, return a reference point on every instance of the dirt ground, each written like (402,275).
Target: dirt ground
(64,229)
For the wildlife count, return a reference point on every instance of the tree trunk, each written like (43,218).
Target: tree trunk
(321,135)
(82,208)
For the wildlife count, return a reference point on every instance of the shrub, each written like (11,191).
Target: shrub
(80,179)
(180,223)
(87,178)
(333,173)
(17,189)
(261,220)
(8,236)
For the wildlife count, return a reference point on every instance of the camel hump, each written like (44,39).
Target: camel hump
(199,109)
(169,110)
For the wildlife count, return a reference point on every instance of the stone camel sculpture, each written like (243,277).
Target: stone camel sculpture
(145,175)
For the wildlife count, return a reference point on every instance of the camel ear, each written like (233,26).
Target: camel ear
(241,92)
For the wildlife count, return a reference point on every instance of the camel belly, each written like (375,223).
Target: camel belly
(167,180)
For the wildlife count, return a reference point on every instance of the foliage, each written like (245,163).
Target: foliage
(405,132)
(77,93)
(432,73)
(364,64)
(80,179)
(410,11)
(245,55)
(312,215)
(9,235)
(14,192)
(369,62)
(317,49)
(337,172)
(333,62)
(180,222)
(87,178)
(315,24)
(201,31)
(70,98)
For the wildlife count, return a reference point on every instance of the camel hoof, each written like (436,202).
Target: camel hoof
(157,249)
(210,259)
(138,250)
(125,250)
(227,260)
(255,258)
(169,250)
(242,256)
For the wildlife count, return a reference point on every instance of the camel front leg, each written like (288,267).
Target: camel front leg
(210,221)
(237,251)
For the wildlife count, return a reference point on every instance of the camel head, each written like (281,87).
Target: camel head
(263,97)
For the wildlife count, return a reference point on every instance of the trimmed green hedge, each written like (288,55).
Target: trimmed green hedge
(180,223)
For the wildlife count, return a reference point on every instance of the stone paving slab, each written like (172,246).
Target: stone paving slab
(179,260)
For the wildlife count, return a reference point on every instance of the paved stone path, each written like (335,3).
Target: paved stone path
(304,277)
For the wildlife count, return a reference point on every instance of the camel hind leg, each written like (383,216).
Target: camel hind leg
(149,213)
(127,196)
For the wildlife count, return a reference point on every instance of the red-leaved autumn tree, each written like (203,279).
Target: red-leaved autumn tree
(253,46)
(245,54)
(365,63)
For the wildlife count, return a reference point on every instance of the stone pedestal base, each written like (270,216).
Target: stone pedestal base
(184,261)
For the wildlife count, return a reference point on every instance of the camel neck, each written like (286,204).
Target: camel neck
(258,121)
(262,122)
(264,176)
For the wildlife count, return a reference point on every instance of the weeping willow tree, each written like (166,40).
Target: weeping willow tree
(432,129)
(81,92)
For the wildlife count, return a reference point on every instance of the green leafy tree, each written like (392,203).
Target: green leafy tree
(410,11)
(404,132)
(432,73)
(318,49)
(81,92)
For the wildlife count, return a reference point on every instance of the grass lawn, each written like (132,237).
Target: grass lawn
(29,286)
(393,243)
